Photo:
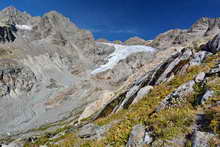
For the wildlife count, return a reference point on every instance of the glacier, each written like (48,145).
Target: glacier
(121,52)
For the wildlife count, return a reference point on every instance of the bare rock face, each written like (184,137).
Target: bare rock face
(7,33)
(204,28)
(213,45)
(15,79)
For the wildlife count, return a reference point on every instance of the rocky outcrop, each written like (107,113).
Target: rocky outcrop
(204,28)
(177,97)
(203,98)
(198,58)
(139,137)
(92,131)
(215,70)
(141,93)
(15,79)
(7,33)
(213,45)
(201,139)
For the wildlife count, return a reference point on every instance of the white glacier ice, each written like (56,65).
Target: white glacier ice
(121,52)
(24,27)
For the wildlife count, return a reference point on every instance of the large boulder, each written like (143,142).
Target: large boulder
(92,131)
(213,45)
(138,137)
(198,58)
(88,130)
(141,93)
(203,98)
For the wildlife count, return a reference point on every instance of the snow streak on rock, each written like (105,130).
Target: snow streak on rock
(121,52)
(24,27)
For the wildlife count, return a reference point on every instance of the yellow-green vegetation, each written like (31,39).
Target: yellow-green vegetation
(166,124)
(213,113)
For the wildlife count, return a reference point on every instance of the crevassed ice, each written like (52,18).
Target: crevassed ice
(24,27)
(121,52)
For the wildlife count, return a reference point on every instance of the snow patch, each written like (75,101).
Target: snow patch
(121,52)
(24,27)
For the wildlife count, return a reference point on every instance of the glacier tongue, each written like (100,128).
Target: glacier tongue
(121,52)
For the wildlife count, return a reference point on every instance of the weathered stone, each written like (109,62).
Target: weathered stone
(97,105)
(129,97)
(4,90)
(88,130)
(15,79)
(202,99)
(201,139)
(213,45)
(176,65)
(136,138)
(215,70)
(198,58)
(7,33)
(200,77)
(147,138)
(177,96)
(141,93)
(92,131)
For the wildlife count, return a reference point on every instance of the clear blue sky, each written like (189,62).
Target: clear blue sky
(121,19)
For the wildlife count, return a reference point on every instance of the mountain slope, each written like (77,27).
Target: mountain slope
(59,87)
(46,65)
(181,109)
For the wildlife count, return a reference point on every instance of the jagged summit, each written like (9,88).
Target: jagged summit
(11,15)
